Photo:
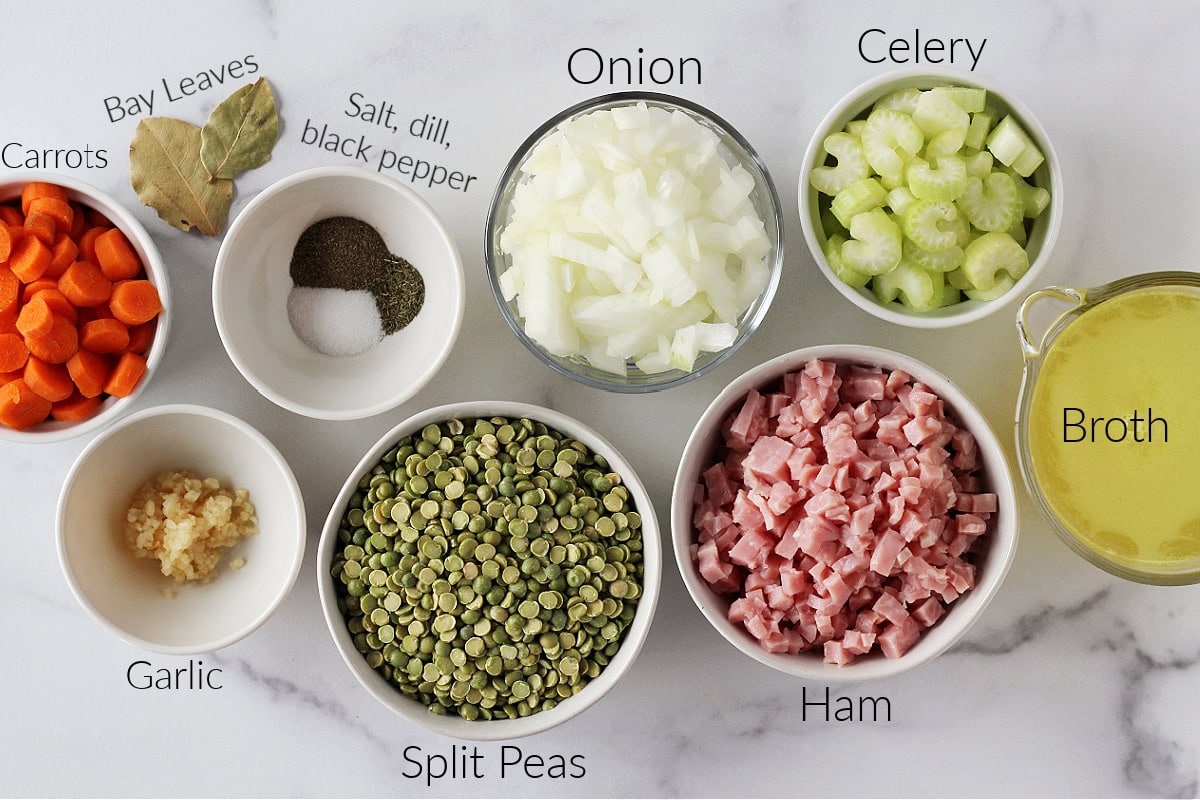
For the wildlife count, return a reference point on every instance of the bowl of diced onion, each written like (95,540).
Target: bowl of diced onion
(634,241)
(930,199)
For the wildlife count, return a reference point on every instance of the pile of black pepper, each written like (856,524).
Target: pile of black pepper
(347,253)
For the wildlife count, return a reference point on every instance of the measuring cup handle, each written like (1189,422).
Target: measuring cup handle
(1031,348)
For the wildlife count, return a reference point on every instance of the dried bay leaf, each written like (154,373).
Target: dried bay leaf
(240,132)
(166,172)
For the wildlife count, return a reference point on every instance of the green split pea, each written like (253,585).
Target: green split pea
(489,567)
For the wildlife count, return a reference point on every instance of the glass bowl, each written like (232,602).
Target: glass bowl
(733,148)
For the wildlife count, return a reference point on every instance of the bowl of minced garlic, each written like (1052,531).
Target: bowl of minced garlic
(181,529)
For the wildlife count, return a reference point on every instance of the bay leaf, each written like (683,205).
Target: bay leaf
(240,132)
(166,172)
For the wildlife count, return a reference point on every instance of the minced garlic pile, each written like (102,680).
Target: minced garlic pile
(187,522)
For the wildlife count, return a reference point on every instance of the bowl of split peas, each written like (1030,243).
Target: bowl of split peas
(490,569)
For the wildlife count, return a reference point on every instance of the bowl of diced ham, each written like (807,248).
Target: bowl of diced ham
(843,513)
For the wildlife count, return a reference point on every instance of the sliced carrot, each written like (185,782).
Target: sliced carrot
(12,216)
(59,210)
(62,255)
(6,243)
(142,336)
(9,377)
(58,345)
(35,319)
(35,189)
(21,407)
(104,336)
(126,375)
(97,220)
(51,381)
(13,352)
(59,304)
(10,290)
(30,259)
(78,221)
(41,225)
(117,259)
(8,321)
(87,243)
(75,408)
(85,285)
(134,302)
(90,371)
(33,288)
(95,312)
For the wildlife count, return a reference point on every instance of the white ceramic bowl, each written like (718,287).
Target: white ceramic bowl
(991,566)
(125,593)
(492,730)
(251,284)
(112,407)
(1043,233)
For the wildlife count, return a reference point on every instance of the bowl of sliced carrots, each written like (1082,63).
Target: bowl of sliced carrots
(83,308)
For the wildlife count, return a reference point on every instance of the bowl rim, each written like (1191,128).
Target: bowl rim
(156,272)
(854,101)
(191,410)
(221,271)
(1004,537)
(746,327)
(493,730)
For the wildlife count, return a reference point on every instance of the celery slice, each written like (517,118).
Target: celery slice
(900,100)
(876,246)
(833,256)
(992,204)
(968,98)
(912,286)
(851,165)
(946,260)
(988,256)
(886,132)
(900,199)
(977,131)
(936,113)
(945,182)
(951,295)
(979,164)
(1003,284)
(862,195)
(855,127)
(832,225)
(920,224)
(1018,232)
(1035,198)
(946,143)
(958,279)
(1012,146)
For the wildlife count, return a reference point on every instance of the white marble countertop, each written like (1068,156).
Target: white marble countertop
(1073,682)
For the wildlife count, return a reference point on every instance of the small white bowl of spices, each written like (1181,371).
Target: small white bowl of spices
(338,294)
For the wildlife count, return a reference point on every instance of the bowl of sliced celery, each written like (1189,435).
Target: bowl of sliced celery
(930,199)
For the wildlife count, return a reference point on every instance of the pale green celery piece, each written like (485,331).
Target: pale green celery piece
(977,131)
(833,256)
(968,98)
(876,245)
(832,225)
(912,286)
(979,164)
(946,181)
(991,254)
(855,127)
(958,279)
(992,204)
(1018,232)
(933,260)
(936,113)
(860,196)
(851,164)
(950,295)
(962,229)
(1001,288)
(920,224)
(900,100)
(890,182)
(946,143)
(1035,198)
(886,132)
(1012,147)
(899,199)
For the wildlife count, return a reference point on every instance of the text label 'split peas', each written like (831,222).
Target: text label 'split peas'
(489,567)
